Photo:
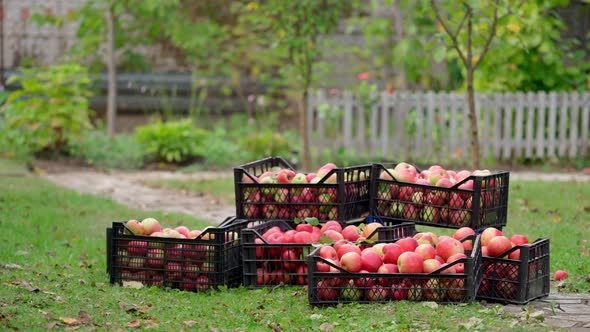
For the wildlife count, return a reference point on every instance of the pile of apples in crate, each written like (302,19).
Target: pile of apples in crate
(280,264)
(399,263)
(274,199)
(153,262)
(426,203)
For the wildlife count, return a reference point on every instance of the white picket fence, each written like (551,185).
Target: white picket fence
(433,126)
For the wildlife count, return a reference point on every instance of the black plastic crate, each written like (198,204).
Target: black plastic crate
(267,263)
(342,194)
(331,288)
(517,281)
(212,259)
(486,205)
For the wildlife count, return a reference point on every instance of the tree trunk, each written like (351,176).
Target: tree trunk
(399,29)
(304,132)
(475,160)
(112,74)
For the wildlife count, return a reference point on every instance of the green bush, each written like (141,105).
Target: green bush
(266,143)
(49,111)
(173,142)
(96,149)
(221,151)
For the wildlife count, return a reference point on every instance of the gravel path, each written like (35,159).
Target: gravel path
(128,189)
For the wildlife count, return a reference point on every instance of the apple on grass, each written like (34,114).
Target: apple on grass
(560,275)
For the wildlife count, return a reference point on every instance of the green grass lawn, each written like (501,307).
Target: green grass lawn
(223,189)
(53,273)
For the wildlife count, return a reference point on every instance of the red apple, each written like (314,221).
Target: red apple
(332,224)
(488,234)
(430,265)
(291,259)
(391,252)
(351,262)
(407,244)
(377,293)
(459,267)
(370,261)
(448,248)
(304,228)
(463,232)
(410,262)
(325,267)
(433,290)
(369,231)
(426,251)
(151,225)
(351,233)
(334,235)
(136,227)
(328,252)
(560,275)
(302,237)
(183,230)
(347,247)
(285,176)
(498,245)
(519,239)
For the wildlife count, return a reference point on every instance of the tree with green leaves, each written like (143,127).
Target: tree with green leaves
(298,27)
(470,27)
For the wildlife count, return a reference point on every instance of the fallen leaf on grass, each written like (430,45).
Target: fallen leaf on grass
(28,287)
(132,284)
(12,266)
(134,324)
(430,304)
(583,248)
(145,309)
(51,325)
(556,219)
(275,328)
(471,323)
(327,327)
(82,319)
(46,315)
(587,209)
(190,323)
(69,320)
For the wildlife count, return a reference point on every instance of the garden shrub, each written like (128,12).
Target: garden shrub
(173,141)
(96,149)
(266,143)
(49,111)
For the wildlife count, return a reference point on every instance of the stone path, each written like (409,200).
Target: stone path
(560,310)
(129,189)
